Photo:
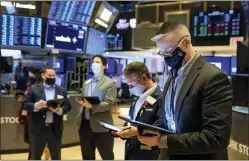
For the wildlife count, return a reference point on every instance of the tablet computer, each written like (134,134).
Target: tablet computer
(55,102)
(110,127)
(92,100)
(147,126)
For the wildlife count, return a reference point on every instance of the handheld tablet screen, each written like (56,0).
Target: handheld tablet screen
(110,127)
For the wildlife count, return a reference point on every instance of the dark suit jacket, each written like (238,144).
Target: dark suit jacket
(149,114)
(37,120)
(203,115)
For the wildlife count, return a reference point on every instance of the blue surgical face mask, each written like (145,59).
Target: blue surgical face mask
(96,67)
(137,90)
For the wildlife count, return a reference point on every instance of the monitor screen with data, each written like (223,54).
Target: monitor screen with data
(20,31)
(65,36)
(78,12)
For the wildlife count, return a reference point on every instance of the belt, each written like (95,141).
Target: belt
(48,125)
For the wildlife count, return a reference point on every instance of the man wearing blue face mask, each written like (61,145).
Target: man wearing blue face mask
(196,104)
(144,109)
(92,135)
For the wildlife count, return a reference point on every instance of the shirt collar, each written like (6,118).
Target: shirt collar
(96,79)
(48,87)
(186,68)
(148,92)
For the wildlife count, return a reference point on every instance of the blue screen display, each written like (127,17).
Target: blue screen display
(72,11)
(95,42)
(224,63)
(57,64)
(20,31)
(233,65)
(65,36)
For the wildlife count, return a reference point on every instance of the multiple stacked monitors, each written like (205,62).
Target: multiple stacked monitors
(215,28)
(20,31)
(217,23)
(72,11)
(65,36)
(96,42)
(114,42)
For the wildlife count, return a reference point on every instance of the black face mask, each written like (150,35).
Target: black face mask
(50,81)
(175,62)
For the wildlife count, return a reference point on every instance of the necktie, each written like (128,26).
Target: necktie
(174,76)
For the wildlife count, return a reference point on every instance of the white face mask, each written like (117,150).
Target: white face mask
(96,67)
(137,90)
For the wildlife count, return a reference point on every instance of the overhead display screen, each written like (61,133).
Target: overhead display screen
(65,36)
(20,31)
(72,11)
(95,42)
(217,23)
(114,42)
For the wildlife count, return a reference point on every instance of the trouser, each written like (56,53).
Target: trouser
(38,143)
(26,138)
(90,140)
(135,151)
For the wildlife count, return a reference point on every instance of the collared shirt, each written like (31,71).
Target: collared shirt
(182,73)
(91,88)
(141,100)
(50,95)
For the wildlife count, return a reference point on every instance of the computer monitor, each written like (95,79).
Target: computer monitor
(224,63)
(57,64)
(216,27)
(65,36)
(6,64)
(243,57)
(20,31)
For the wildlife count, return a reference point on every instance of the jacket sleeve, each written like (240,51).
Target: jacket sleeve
(109,101)
(67,105)
(28,103)
(216,121)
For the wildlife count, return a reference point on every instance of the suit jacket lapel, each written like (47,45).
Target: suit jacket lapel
(190,78)
(101,80)
(56,92)
(42,92)
(166,87)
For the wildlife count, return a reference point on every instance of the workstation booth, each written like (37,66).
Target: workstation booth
(65,35)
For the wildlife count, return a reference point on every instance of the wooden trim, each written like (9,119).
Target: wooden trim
(205,6)
(157,13)
(231,4)
(146,5)
(169,3)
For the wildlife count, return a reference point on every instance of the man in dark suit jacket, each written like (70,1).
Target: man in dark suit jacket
(197,103)
(46,122)
(144,109)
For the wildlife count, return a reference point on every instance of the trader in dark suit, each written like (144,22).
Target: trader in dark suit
(46,123)
(144,109)
(196,104)
(92,135)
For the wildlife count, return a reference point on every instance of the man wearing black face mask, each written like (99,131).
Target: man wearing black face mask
(197,103)
(46,124)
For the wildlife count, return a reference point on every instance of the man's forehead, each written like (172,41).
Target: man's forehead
(166,37)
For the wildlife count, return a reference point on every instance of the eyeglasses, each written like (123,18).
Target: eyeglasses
(168,52)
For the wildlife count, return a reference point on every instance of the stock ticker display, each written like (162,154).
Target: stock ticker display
(72,11)
(96,42)
(217,24)
(65,36)
(20,31)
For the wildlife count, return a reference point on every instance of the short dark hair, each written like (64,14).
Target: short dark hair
(46,68)
(137,69)
(168,26)
(35,70)
(103,59)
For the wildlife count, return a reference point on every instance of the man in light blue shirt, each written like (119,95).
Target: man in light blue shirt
(92,135)
(46,124)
